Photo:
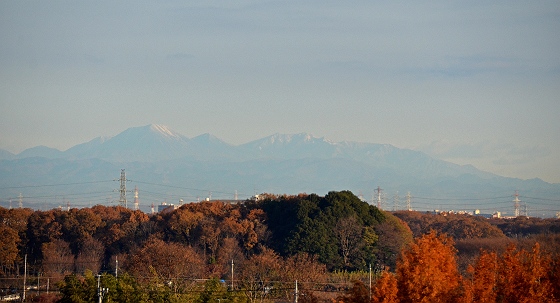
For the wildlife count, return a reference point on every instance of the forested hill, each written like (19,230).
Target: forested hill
(342,231)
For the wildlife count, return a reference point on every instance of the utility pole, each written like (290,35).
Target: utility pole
(296,294)
(24,276)
(231,274)
(101,292)
(369,281)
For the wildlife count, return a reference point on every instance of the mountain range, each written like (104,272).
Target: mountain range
(167,166)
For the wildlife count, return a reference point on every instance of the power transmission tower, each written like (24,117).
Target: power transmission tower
(516,202)
(20,200)
(136,202)
(383,199)
(122,190)
(408,201)
(396,201)
(378,190)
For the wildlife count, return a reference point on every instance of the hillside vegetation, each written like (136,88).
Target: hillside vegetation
(255,251)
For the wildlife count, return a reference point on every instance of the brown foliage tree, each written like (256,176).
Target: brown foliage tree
(457,226)
(393,235)
(91,256)
(79,225)
(303,268)
(16,219)
(257,272)
(9,240)
(555,276)
(469,250)
(349,234)
(524,226)
(123,229)
(58,259)
(229,250)
(358,293)
(171,263)
(43,227)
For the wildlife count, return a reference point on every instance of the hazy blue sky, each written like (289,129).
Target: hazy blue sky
(467,81)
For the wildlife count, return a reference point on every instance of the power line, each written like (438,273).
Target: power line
(51,185)
(186,188)
(461,199)
(545,199)
(62,195)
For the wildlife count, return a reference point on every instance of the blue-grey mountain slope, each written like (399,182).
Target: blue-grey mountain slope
(141,144)
(167,166)
(6,155)
(41,151)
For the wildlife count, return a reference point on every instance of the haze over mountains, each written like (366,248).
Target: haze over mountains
(167,166)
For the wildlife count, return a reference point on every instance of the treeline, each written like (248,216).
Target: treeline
(457,226)
(473,233)
(255,248)
(342,231)
(264,238)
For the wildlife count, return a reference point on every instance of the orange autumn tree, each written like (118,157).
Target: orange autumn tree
(480,284)
(385,290)
(525,276)
(427,271)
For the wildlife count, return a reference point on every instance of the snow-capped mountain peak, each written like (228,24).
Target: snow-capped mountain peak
(164,130)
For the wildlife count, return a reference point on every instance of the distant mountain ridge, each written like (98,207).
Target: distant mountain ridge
(280,163)
(154,142)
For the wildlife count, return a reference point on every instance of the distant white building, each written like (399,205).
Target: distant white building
(164,206)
